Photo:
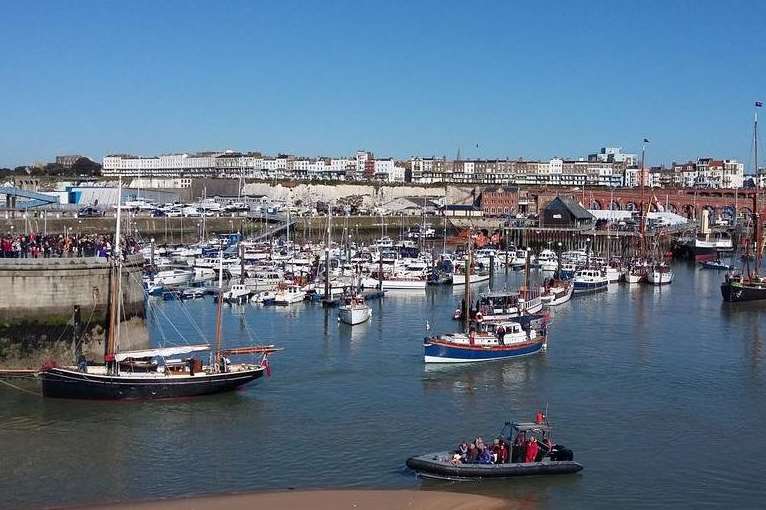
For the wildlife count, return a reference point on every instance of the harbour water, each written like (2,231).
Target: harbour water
(659,392)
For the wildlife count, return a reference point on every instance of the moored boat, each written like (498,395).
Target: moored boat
(659,274)
(716,264)
(489,341)
(557,292)
(738,288)
(354,311)
(589,280)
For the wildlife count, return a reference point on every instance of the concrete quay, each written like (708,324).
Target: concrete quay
(38,301)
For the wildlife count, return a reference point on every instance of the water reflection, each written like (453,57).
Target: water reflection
(353,336)
(477,378)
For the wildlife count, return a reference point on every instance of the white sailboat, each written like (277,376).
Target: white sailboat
(354,311)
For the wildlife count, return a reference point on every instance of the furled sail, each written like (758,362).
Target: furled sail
(163,351)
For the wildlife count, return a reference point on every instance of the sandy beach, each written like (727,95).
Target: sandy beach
(323,500)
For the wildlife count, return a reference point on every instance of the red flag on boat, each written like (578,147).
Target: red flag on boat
(266,365)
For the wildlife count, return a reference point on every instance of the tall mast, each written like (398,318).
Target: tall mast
(327,253)
(642,219)
(467,296)
(219,312)
(757,236)
(115,289)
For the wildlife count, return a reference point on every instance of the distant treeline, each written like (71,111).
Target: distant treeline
(81,167)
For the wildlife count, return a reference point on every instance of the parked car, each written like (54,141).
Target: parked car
(89,212)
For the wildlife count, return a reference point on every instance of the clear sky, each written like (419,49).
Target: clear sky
(534,79)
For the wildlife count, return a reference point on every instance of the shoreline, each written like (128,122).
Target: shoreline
(319,499)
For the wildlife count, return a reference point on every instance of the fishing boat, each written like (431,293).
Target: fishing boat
(659,274)
(166,378)
(589,280)
(635,273)
(567,270)
(738,287)
(548,261)
(524,441)
(237,293)
(557,292)
(489,341)
(287,294)
(354,311)
(613,272)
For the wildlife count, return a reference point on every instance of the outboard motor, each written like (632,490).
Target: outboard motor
(562,453)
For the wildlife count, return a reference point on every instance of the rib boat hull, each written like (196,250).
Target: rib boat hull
(433,465)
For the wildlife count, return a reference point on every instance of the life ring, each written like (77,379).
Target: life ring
(479,317)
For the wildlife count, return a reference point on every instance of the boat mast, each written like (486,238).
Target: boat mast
(642,226)
(444,234)
(758,238)
(327,254)
(219,314)
(115,291)
(526,274)
(467,296)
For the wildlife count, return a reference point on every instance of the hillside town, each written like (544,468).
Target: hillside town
(610,166)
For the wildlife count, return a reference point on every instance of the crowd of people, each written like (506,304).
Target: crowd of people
(37,245)
(523,449)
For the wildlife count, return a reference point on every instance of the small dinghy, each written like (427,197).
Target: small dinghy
(530,451)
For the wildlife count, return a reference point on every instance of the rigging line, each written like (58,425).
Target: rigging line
(168,319)
(158,322)
(184,309)
(250,334)
(90,317)
(24,390)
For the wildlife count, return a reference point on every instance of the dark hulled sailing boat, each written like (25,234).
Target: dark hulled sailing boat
(130,375)
(749,285)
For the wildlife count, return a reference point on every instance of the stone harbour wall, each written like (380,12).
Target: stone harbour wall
(37,299)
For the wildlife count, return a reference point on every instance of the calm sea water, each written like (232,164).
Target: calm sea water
(659,392)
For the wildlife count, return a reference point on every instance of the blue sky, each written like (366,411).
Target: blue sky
(532,79)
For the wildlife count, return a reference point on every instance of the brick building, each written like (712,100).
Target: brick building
(499,200)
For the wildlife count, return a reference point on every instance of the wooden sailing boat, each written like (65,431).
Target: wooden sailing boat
(119,379)
(749,285)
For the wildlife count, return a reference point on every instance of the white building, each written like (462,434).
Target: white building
(397,174)
(614,155)
(384,168)
(168,165)
(364,164)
